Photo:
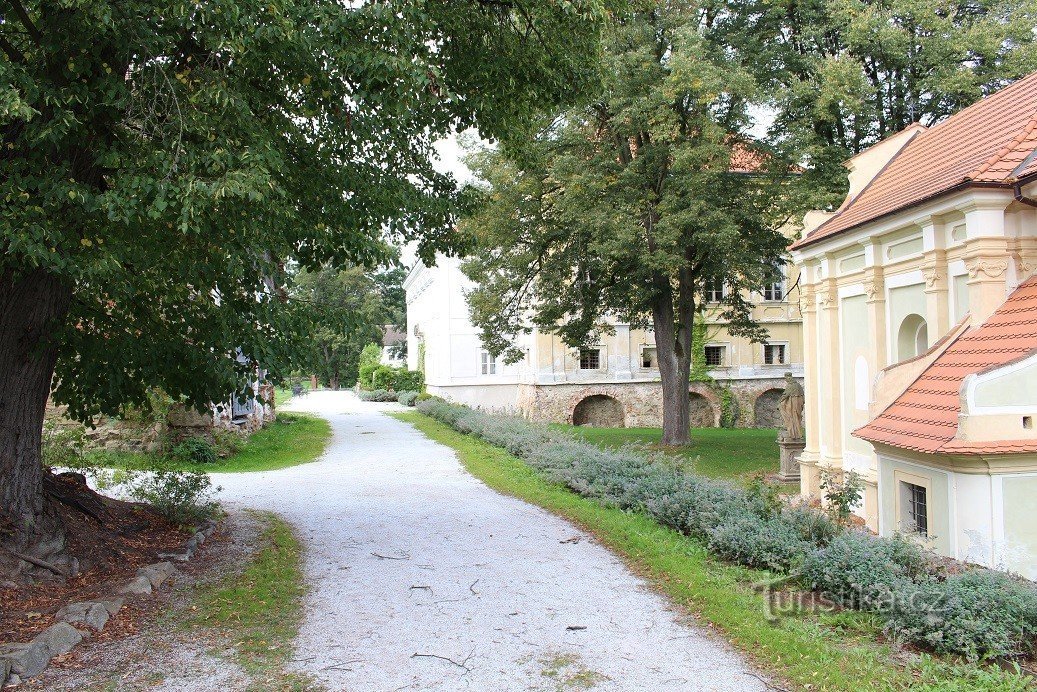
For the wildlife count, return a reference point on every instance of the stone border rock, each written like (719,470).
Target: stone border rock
(77,620)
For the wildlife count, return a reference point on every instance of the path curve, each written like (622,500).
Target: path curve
(423,578)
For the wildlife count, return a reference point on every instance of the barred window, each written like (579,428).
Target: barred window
(916,508)
(590,359)
(774,354)
(715,356)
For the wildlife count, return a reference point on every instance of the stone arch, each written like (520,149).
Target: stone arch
(765,409)
(599,411)
(912,337)
(705,406)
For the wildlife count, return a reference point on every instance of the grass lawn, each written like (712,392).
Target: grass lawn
(259,610)
(714,452)
(292,439)
(837,651)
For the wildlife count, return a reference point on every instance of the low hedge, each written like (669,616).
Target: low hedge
(978,613)
(407,398)
(376,395)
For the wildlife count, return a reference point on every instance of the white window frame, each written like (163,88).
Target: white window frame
(487,363)
(770,287)
(648,347)
(709,294)
(785,352)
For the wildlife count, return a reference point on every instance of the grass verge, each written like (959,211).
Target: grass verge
(815,651)
(713,452)
(260,609)
(292,439)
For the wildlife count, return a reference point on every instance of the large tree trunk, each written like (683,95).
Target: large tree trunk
(673,349)
(31,306)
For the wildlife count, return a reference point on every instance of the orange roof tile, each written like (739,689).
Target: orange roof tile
(925,417)
(990,143)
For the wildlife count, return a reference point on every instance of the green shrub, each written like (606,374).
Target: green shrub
(407,398)
(424,396)
(377,395)
(194,450)
(980,613)
(62,446)
(861,571)
(409,380)
(384,377)
(183,497)
(370,360)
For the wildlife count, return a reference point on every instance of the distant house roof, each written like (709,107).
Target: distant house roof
(391,335)
(991,143)
(925,417)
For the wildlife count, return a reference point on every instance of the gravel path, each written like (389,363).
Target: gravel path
(423,578)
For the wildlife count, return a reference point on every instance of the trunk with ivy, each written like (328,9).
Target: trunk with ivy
(32,304)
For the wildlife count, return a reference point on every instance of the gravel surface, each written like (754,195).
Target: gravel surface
(423,578)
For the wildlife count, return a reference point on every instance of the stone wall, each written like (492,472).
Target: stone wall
(754,403)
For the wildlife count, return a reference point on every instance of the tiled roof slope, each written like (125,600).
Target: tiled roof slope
(987,143)
(925,417)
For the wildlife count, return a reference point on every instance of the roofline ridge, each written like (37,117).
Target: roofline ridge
(864,189)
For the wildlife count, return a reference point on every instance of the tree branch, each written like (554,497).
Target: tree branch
(23,17)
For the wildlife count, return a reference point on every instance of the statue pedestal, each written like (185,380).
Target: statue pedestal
(790,451)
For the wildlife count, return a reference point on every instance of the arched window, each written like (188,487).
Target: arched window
(913,337)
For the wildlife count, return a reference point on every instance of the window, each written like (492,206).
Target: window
(774,354)
(914,506)
(489,364)
(715,291)
(714,356)
(774,291)
(590,359)
(649,357)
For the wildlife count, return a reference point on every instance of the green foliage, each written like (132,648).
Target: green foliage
(842,492)
(626,205)
(699,369)
(164,162)
(345,312)
(384,377)
(370,360)
(194,450)
(62,446)
(424,396)
(182,496)
(409,380)
(844,74)
(856,570)
(381,395)
(980,614)
(407,398)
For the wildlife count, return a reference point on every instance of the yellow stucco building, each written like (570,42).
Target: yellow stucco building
(920,333)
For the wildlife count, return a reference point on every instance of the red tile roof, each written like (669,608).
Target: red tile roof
(989,143)
(925,417)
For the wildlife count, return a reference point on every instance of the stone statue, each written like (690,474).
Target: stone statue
(791,409)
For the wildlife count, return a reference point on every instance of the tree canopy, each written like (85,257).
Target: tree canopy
(841,75)
(344,310)
(626,206)
(161,162)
